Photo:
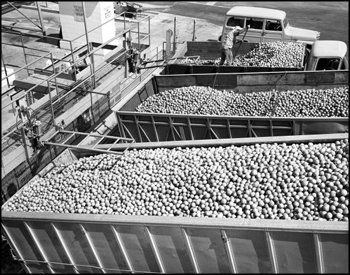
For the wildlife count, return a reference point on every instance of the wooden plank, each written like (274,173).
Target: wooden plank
(205,49)
(251,81)
(326,77)
(269,79)
(341,77)
(166,81)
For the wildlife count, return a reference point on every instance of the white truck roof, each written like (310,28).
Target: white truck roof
(329,48)
(256,12)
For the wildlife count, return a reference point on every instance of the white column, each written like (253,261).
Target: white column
(96,14)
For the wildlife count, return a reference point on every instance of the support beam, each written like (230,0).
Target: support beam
(41,19)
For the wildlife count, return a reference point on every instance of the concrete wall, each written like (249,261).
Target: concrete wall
(9,71)
(96,13)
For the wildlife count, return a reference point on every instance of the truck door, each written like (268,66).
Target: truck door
(254,33)
(272,31)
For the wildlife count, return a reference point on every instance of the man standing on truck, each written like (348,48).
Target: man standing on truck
(227,43)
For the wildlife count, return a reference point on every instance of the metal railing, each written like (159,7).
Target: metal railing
(144,18)
(49,110)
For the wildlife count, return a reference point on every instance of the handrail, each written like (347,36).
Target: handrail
(24,67)
(55,75)
(8,134)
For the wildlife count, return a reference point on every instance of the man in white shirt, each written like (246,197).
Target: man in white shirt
(227,44)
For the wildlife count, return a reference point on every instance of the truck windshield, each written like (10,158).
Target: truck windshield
(235,21)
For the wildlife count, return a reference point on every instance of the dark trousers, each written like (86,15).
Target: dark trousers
(226,54)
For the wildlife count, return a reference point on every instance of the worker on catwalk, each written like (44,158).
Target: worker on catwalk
(132,54)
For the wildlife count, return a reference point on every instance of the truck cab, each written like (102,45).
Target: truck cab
(327,55)
(266,25)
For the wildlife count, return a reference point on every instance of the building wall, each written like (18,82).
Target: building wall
(97,13)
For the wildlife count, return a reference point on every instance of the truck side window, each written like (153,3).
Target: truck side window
(327,64)
(255,23)
(273,25)
(235,21)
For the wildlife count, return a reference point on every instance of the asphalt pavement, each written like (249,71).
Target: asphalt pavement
(331,18)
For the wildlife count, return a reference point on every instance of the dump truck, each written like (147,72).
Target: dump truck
(151,126)
(204,57)
(46,242)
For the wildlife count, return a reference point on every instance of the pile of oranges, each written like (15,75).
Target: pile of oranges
(201,100)
(299,181)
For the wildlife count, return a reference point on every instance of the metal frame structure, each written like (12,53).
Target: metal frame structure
(157,260)
(153,127)
(89,148)
(144,17)
(51,81)
(150,127)
(38,7)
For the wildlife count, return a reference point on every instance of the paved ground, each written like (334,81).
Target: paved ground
(331,18)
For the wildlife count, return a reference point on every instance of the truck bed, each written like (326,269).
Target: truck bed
(210,50)
(145,127)
(96,243)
